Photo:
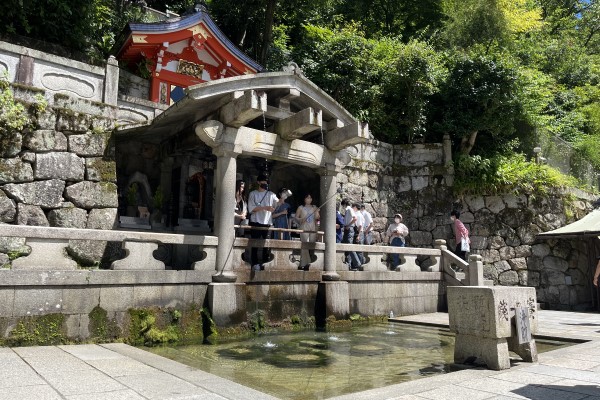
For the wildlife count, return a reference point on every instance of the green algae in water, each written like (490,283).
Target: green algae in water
(319,365)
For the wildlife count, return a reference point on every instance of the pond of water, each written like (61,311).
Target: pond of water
(318,365)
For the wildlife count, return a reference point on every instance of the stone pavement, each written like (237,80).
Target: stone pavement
(121,372)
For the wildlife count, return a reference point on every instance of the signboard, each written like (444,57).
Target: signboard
(523,325)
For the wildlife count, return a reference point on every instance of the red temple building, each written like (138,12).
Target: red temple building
(182,52)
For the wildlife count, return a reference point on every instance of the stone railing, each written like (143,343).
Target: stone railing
(62,79)
(464,273)
(48,252)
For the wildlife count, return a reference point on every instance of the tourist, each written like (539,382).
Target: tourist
(461,234)
(280,215)
(596,274)
(396,236)
(241,207)
(368,226)
(351,257)
(261,203)
(358,235)
(307,216)
(339,224)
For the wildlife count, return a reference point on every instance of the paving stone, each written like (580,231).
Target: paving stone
(81,382)
(127,394)
(160,385)
(42,392)
(454,392)
(576,386)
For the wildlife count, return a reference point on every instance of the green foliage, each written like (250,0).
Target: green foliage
(257,321)
(209,328)
(158,199)
(42,330)
(13,119)
(504,174)
(479,96)
(132,192)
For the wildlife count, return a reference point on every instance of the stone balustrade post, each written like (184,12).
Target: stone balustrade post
(475,276)
(438,260)
(111,81)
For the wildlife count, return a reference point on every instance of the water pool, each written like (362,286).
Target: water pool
(318,365)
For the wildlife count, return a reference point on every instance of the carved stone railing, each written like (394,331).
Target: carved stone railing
(48,247)
(48,252)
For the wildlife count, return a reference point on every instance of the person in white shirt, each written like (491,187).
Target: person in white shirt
(368,225)
(261,203)
(349,230)
(359,237)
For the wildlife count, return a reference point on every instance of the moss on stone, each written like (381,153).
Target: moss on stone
(27,87)
(153,326)
(42,330)
(101,328)
(106,169)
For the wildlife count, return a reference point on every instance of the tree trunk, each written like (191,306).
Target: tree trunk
(269,16)
(467,143)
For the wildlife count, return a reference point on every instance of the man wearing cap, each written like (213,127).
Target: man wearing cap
(261,203)
(396,236)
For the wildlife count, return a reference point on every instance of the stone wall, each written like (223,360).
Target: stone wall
(504,230)
(416,181)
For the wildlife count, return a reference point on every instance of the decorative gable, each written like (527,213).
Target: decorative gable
(182,52)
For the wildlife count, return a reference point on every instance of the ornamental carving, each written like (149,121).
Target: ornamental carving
(190,68)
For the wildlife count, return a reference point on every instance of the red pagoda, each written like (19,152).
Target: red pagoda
(182,52)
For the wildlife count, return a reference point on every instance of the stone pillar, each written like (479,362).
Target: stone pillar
(183,177)
(111,81)
(447,146)
(328,194)
(440,244)
(475,270)
(225,206)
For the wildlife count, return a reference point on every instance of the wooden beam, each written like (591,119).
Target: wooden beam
(299,124)
(244,109)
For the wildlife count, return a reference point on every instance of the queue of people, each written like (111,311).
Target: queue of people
(264,210)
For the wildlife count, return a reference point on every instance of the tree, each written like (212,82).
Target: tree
(64,22)
(472,22)
(479,95)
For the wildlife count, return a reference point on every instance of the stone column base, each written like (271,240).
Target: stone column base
(333,299)
(227,303)
(470,349)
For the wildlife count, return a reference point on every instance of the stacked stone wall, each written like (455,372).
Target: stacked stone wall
(60,171)
(416,181)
